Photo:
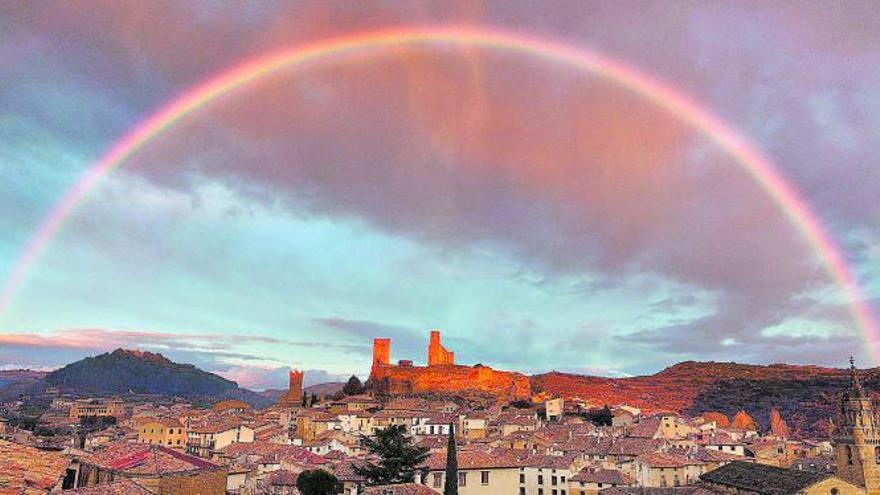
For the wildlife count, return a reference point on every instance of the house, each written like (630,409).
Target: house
(474,425)
(162,470)
(547,474)
(745,478)
(554,409)
(354,403)
(589,481)
(664,470)
(95,407)
(162,431)
(479,472)
(205,438)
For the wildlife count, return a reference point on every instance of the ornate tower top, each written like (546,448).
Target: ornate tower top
(855,386)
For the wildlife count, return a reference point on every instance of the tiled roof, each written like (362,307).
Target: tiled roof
(763,479)
(666,460)
(646,428)
(633,446)
(142,458)
(639,490)
(283,478)
(499,458)
(401,489)
(25,470)
(122,487)
(604,476)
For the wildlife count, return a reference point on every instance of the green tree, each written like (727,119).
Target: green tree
(305,400)
(398,457)
(316,482)
(603,418)
(314,399)
(450,487)
(353,387)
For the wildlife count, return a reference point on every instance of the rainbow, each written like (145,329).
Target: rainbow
(758,167)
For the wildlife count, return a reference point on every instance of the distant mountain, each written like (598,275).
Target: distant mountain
(130,371)
(13,383)
(806,396)
(123,371)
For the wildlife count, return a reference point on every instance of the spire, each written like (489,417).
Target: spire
(855,387)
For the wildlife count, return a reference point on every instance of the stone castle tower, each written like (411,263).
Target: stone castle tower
(857,438)
(437,354)
(381,352)
(294,394)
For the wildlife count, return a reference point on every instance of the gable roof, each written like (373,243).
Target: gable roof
(144,458)
(763,479)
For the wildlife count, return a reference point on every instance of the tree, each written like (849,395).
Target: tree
(603,417)
(450,487)
(314,399)
(778,426)
(743,421)
(353,387)
(316,482)
(305,400)
(398,457)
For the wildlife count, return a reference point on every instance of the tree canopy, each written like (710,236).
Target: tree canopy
(398,457)
(353,387)
(316,482)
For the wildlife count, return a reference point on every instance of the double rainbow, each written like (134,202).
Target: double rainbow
(752,161)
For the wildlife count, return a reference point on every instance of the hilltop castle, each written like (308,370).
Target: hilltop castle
(441,375)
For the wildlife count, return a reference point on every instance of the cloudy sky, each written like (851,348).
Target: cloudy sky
(542,217)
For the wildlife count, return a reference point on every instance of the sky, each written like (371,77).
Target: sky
(542,217)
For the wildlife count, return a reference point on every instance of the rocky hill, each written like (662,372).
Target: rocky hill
(129,371)
(449,380)
(806,396)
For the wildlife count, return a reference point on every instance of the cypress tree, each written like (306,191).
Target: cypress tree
(450,487)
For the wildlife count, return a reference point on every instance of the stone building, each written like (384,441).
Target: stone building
(161,470)
(857,439)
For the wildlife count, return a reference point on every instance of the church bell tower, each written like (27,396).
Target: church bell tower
(857,439)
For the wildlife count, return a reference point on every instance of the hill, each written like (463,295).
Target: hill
(806,396)
(129,371)
(13,383)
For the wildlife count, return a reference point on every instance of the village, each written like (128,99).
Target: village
(541,446)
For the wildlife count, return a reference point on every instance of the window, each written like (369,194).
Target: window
(462,479)
(484,477)
(438,480)
(522,490)
(849,455)
(554,480)
(540,479)
(877,455)
(834,491)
